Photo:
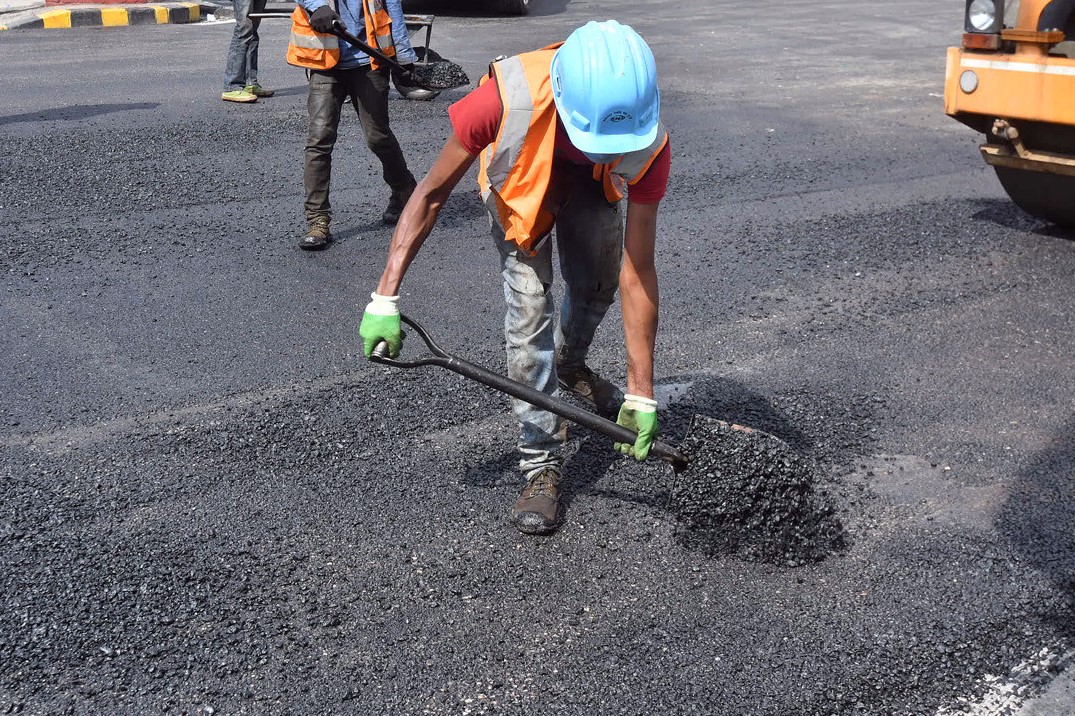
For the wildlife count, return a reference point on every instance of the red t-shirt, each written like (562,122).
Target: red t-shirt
(476,119)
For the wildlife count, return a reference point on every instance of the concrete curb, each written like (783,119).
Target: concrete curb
(107,15)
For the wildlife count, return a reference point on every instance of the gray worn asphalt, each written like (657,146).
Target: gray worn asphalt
(212,504)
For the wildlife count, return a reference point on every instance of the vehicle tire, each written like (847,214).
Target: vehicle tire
(510,7)
(1047,196)
(418,94)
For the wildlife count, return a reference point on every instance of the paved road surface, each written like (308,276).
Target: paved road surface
(211,504)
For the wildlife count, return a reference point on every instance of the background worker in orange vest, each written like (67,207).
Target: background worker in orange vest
(561,133)
(338,71)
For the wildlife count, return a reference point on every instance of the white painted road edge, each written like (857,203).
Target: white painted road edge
(1033,688)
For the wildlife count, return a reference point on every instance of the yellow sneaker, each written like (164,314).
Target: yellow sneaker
(239,96)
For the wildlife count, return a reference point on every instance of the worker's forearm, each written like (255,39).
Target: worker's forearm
(415,224)
(639,300)
(405,54)
(638,296)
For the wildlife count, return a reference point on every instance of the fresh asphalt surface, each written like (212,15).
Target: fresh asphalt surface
(212,504)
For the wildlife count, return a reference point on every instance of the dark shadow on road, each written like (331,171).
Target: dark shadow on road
(360,230)
(1038,519)
(706,396)
(714,502)
(75,112)
(1056,232)
(496,471)
(727,400)
(717,398)
(1003,212)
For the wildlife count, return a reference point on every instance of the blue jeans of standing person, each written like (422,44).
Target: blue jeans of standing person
(241,69)
(589,242)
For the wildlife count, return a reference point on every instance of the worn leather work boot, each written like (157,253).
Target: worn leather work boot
(317,236)
(537,511)
(592,388)
(396,202)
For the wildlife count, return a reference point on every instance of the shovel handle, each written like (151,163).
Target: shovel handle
(340,31)
(412,77)
(524,392)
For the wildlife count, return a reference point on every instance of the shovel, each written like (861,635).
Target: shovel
(606,427)
(435,76)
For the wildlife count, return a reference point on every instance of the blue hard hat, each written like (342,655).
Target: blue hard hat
(604,84)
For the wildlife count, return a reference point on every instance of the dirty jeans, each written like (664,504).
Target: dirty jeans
(589,242)
(368,91)
(242,65)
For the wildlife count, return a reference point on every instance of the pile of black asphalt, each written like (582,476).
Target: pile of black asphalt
(325,552)
(440,75)
(748,494)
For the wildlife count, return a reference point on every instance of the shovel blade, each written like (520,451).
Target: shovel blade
(439,75)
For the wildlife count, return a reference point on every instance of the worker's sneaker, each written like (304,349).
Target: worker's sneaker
(592,388)
(239,96)
(317,236)
(258,91)
(537,511)
(396,202)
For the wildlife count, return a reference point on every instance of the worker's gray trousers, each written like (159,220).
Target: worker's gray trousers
(589,243)
(368,92)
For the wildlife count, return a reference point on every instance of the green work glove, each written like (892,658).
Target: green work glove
(380,322)
(640,415)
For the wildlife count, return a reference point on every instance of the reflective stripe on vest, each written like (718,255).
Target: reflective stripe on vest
(517,111)
(314,50)
(315,41)
(309,48)
(516,169)
(379,27)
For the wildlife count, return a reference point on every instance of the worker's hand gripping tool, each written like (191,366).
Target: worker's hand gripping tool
(442,358)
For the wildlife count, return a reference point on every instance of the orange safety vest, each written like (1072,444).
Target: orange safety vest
(516,169)
(314,50)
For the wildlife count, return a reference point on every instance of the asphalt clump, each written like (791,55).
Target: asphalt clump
(441,75)
(747,495)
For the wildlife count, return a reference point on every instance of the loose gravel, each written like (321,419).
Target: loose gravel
(747,494)
(441,75)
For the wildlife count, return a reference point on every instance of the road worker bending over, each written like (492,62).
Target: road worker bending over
(562,134)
